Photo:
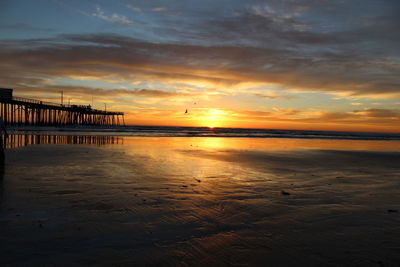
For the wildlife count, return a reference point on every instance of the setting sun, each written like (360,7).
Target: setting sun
(214,118)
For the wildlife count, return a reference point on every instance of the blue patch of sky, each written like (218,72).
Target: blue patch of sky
(46,18)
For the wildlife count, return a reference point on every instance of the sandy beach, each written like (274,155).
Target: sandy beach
(202,202)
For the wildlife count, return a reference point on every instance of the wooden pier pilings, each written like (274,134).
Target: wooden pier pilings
(24,111)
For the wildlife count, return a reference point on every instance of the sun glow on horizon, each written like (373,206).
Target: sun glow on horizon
(214,118)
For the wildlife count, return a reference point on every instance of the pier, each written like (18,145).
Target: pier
(17,111)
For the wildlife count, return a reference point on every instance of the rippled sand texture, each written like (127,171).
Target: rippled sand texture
(202,202)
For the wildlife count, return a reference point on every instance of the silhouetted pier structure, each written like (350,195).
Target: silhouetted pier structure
(24,111)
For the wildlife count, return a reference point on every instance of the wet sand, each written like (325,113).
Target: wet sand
(202,201)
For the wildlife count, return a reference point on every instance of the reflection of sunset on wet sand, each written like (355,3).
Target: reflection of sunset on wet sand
(263,143)
(201,201)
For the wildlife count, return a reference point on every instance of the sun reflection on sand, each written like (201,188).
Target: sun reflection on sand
(261,143)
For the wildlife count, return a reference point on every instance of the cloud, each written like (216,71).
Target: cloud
(275,95)
(114,57)
(379,113)
(114,18)
(101,92)
(286,111)
(134,8)
(159,9)
(370,118)
(158,93)
(387,117)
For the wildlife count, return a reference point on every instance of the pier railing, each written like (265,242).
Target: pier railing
(38,102)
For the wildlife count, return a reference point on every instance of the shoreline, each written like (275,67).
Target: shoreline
(168,131)
(33,138)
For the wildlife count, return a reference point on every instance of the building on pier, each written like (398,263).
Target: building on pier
(23,111)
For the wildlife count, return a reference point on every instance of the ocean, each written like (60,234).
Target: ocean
(169,131)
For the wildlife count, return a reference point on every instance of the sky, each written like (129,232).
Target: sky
(276,64)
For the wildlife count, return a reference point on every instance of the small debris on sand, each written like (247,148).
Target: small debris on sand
(391,210)
(285,193)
